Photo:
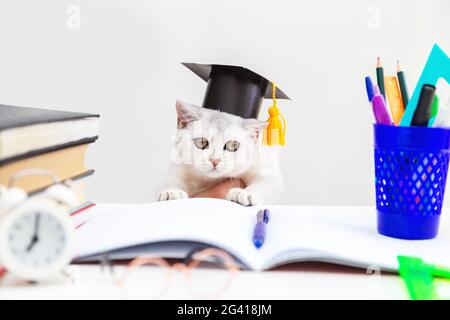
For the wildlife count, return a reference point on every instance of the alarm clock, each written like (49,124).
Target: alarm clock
(36,232)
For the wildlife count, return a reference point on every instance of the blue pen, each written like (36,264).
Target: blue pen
(369,88)
(259,233)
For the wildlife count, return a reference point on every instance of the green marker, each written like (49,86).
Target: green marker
(435,106)
(434,110)
(418,277)
(437,66)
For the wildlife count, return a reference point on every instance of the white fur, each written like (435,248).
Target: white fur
(191,170)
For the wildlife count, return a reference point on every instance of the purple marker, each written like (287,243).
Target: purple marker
(259,233)
(380,111)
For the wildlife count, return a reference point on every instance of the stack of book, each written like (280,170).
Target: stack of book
(56,141)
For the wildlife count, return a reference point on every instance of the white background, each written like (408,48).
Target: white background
(123,61)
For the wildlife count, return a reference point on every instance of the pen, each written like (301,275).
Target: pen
(369,88)
(402,83)
(259,233)
(423,111)
(380,111)
(380,77)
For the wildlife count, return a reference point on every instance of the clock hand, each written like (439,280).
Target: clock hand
(31,245)
(35,237)
(36,224)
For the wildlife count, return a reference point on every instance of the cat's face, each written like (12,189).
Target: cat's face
(216,144)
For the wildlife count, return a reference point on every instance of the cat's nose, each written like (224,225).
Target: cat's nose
(215,162)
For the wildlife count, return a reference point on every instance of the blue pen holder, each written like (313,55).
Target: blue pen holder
(411,165)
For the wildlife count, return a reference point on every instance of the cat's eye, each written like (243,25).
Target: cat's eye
(231,146)
(201,143)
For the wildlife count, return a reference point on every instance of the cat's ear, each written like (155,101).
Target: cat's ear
(186,113)
(254,127)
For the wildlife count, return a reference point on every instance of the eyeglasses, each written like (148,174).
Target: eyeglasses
(208,272)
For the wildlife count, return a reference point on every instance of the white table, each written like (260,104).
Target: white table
(300,281)
(305,280)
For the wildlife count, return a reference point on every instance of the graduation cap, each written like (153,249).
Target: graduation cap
(240,91)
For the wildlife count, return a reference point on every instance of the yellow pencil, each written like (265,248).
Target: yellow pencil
(395,99)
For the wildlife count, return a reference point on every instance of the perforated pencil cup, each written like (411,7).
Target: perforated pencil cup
(411,165)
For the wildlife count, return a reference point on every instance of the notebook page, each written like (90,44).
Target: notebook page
(216,222)
(347,235)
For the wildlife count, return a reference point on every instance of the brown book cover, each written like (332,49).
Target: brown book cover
(67,163)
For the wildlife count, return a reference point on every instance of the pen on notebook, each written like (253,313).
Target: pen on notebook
(423,111)
(259,233)
(380,77)
(402,84)
(380,111)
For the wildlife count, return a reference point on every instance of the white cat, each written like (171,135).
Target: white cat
(211,146)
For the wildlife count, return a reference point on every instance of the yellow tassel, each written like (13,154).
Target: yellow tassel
(276,125)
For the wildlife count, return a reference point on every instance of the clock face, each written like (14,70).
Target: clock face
(36,240)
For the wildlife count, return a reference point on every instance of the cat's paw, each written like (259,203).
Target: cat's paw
(171,195)
(243,197)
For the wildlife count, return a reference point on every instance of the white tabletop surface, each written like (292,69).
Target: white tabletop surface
(300,281)
(305,280)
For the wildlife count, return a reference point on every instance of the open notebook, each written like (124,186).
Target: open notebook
(342,235)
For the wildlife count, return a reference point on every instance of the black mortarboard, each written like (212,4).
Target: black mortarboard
(234,89)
